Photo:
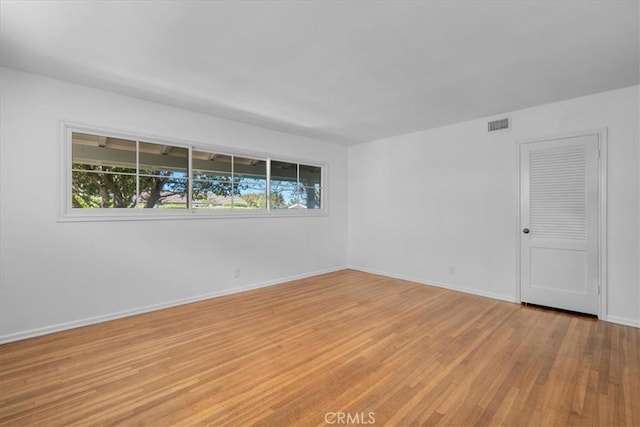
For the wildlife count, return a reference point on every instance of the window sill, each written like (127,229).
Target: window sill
(98,215)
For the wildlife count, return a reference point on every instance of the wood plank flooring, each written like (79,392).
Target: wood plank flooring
(378,350)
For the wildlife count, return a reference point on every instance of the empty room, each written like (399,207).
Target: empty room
(316,213)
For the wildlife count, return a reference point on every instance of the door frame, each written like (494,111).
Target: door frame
(601,250)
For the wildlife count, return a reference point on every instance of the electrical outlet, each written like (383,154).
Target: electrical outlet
(236,273)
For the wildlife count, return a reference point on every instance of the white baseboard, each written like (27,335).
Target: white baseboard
(502,297)
(17,336)
(612,319)
(623,321)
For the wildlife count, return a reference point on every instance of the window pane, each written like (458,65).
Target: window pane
(210,194)
(163,192)
(103,172)
(253,193)
(284,184)
(92,189)
(249,168)
(310,197)
(284,171)
(310,176)
(103,153)
(211,166)
(250,183)
(163,160)
(284,194)
(212,185)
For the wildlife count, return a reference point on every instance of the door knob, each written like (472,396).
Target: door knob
(525,231)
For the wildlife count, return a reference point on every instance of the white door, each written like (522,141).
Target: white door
(559,223)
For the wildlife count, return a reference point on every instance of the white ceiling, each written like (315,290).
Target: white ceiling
(340,71)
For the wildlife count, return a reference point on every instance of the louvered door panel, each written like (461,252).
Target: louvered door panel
(558,194)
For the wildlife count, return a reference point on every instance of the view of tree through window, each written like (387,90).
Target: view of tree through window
(103,177)
(164,176)
(224,181)
(110,172)
(295,186)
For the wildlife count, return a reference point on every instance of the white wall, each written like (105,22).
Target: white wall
(440,206)
(437,206)
(57,275)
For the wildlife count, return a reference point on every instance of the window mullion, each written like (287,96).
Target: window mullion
(298,191)
(137,173)
(268,185)
(233,179)
(69,172)
(190,179)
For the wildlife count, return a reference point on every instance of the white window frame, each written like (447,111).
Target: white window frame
(69,214)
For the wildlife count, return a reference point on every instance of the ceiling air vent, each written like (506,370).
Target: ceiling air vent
(501,124)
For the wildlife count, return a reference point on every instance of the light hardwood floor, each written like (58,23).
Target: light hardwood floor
(346,342)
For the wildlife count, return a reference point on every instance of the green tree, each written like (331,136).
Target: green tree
(109,187)
(259,200)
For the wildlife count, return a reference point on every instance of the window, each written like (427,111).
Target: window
(120,173)
(295,186)
(103,177)
(222,181)
(163,176)
(111,174)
